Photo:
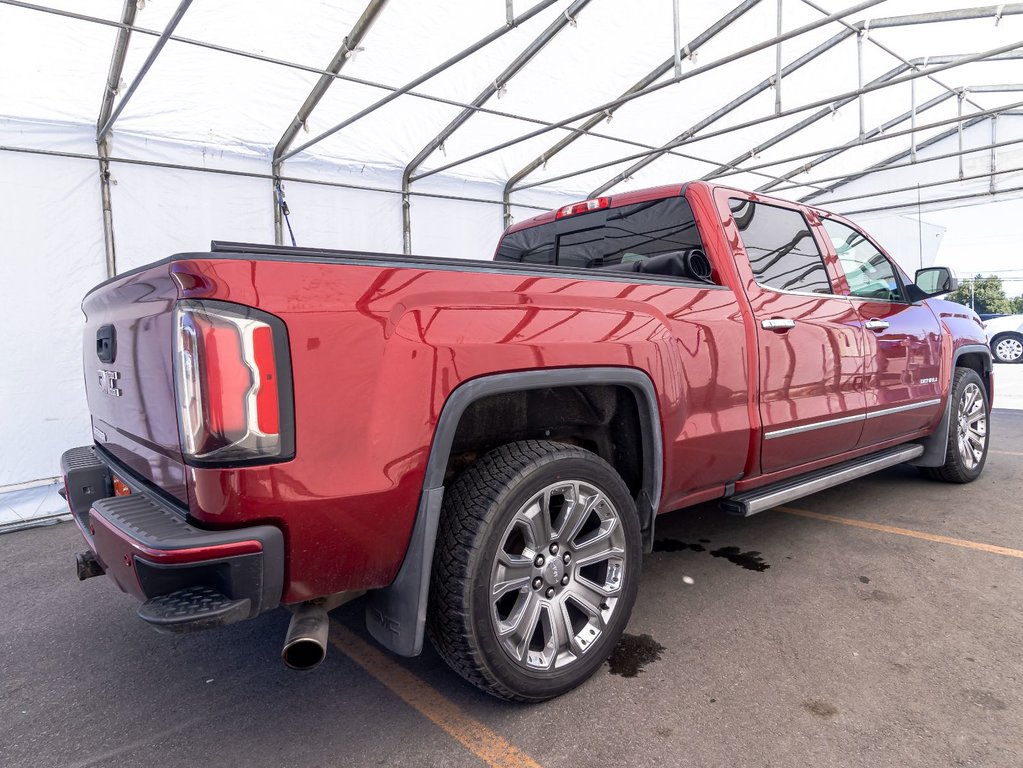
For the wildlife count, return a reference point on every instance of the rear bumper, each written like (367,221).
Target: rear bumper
(186,577)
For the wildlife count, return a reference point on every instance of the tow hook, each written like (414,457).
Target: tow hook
(87,566)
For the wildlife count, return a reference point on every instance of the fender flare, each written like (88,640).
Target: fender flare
(396,615)
(936,444)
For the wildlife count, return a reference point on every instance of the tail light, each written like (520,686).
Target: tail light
(233,379)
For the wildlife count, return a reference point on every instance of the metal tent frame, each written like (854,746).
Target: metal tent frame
(584,124)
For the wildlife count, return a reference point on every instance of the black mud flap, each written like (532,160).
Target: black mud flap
(396,615)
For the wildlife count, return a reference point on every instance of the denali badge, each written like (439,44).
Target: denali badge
(108,382)
(929,380)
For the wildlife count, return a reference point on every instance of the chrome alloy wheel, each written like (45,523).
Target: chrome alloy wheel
(1009,349)
(972,426)
(557,575)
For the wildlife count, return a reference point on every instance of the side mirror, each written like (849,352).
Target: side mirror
(935,281)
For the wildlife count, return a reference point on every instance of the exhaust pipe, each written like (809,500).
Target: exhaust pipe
(305,645)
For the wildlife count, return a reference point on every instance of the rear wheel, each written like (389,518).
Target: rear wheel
(967,432)
(535,570)
(1008,348)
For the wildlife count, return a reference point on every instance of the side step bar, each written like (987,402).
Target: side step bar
(751,502)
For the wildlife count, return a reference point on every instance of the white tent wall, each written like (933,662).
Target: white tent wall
(914,243)
(53,247)
(51,253)
(206,110)
(161,211)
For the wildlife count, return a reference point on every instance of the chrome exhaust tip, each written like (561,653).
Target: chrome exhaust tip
(305,644)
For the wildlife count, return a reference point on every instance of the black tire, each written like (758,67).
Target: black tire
(481,507)
(1007,348)
(957,467)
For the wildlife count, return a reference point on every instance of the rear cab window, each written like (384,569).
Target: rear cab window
(656,237)
(782,251)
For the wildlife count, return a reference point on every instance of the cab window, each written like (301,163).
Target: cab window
(869,273)
(658,237)
(781,249)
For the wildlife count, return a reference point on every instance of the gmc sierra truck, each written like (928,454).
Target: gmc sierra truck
(480,449)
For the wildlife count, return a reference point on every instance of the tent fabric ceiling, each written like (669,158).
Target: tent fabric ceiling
(216,99)
(191,153)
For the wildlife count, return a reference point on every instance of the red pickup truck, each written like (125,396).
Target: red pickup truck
(482,448)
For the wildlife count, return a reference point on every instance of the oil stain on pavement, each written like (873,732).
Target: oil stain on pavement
(632,653)
(751,561)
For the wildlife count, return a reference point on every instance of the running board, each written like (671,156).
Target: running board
(751,502)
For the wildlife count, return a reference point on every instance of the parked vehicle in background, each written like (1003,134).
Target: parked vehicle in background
(985,316)
(1005,335)
(483,447)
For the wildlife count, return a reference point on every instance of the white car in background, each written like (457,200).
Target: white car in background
(1005,335)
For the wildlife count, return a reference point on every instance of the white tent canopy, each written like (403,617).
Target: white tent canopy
(205,91)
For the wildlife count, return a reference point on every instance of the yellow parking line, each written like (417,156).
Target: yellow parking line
(966,544)
(469,732)
(1005,453)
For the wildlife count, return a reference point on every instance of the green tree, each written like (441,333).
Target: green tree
(985,294)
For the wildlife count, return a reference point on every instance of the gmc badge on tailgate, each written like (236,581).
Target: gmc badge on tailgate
(108,382)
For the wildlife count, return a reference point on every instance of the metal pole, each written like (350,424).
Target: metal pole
(889,161)
(407,88)
(911,187)
(959,103)
(933,201)
(852,144)
(890,166)
(102,145)
(651,77)
(792,130)
(885,137)
(919,228)
(895,21)
(146,65)
(253,175)
(509,12)
(994,143)
(893,54)
(657,86)
(777,66)
(520,61)
(300,67)
(859,76)
(348,46)
(825,112)
(912,119)
(869,88)
(677,34)
(645,159)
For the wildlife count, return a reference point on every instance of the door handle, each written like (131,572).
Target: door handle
(778,324)
(876,325)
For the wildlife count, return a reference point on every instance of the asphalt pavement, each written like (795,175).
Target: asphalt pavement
(875,624)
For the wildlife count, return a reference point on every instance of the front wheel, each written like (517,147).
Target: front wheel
(1008,348)
(535,571)
(967,446)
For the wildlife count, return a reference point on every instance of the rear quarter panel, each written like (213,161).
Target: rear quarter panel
(376,352)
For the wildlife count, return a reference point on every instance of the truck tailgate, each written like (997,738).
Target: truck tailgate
(129,380)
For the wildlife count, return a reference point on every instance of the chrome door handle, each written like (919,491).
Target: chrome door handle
(777,324)
(876,325)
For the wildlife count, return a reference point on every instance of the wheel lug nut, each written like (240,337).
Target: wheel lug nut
(564,580)
(550,592)
(537,583)
(567,558)
(538,561)
(554,549)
